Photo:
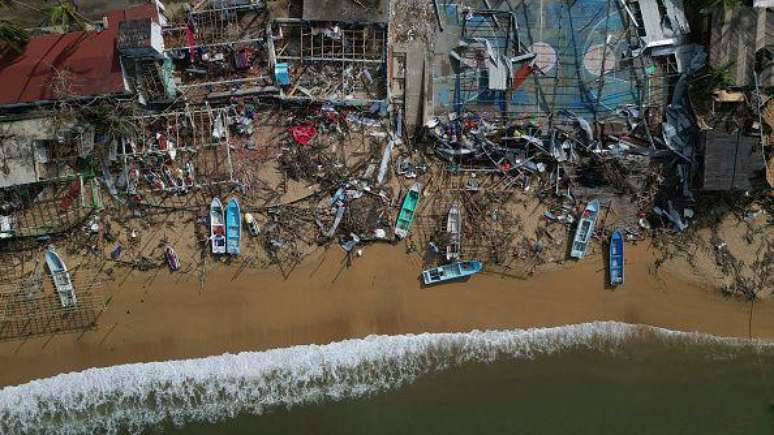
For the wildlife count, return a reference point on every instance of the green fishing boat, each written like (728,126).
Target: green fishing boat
(406,216)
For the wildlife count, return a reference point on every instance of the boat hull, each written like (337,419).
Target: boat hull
(454,228)
(233,227)
(584,231)
(217,227)
(61,277)
(616,259)
(407,211)
(452,271)
(252,225)
(173,261)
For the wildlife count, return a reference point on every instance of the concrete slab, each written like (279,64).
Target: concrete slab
(414,83)
(352,11)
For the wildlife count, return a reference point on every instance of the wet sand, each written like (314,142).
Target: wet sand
(171,317)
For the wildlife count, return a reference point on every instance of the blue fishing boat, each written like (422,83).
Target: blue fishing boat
(452,271)
(616,259)
(407,211)
(582,240)
(233,226)
(217,227)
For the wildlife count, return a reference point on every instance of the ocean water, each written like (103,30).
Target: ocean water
(594,378)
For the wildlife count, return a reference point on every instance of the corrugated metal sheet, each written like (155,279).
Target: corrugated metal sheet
(730,161)
(664,22)
(89,60)
(498,74)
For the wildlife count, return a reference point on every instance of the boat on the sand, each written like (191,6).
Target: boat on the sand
(233,226)
(217,227)
(407,211)
(616,259)
(454,228)
(252,224)
(585,230)
(61,277)
(451,271)
(172,259)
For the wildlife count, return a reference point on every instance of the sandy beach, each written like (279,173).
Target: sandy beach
(171,317)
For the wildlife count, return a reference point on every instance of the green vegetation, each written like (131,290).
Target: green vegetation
(12,35)
(66,15)
(706,82)
(713,78)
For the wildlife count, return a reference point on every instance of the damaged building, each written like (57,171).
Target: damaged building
(344,61)
(47,183)
(570,102)
(219,50)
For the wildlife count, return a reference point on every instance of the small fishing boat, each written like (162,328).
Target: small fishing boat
(217,227)
(616,259)
(233,226)
(582,239)
(252,225)
(406,215)
(61,278)
(172,259)
(451,271)
(454,228)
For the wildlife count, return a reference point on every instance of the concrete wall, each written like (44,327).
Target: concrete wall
(736,36)
(19,163)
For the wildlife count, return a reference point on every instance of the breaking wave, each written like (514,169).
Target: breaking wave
(136,397)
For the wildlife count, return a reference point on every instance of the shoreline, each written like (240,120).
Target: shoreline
(322,301)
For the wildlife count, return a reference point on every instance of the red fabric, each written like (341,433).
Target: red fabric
(303,133)
(89,60)
(521,75)
(72,193)
(190,38)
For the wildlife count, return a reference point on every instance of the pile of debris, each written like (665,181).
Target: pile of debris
(414,20)
(567,160)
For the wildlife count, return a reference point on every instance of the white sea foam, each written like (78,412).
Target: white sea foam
(133,397)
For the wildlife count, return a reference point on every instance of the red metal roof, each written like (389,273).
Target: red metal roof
(89,60)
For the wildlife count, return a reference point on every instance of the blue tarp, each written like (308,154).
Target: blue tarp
(281,74)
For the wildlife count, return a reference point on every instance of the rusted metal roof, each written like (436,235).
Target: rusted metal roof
(88,60)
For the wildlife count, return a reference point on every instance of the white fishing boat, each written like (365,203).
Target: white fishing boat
(252,225)
(585,230)
(454,228)
(61,277)
(217,227)
(172,259)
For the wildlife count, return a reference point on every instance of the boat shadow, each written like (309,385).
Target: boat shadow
(606,277)
(424,286)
